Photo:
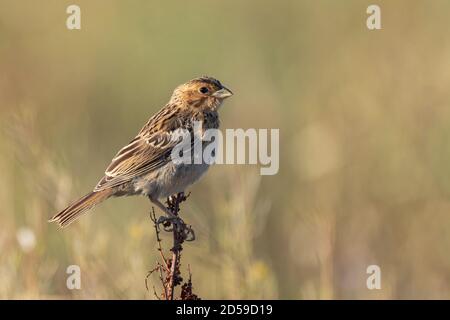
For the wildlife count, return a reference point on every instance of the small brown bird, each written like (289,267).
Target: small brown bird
(145,166)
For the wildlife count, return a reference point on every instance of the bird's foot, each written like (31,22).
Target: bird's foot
(168,222)
(183,230)
(188,233)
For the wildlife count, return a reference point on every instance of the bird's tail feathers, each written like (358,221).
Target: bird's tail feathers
(79,207)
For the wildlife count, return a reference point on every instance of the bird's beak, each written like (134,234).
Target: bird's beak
(222,93)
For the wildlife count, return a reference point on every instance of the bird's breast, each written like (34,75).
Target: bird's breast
(169,179)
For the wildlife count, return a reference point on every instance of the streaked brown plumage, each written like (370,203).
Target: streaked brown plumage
(144,166)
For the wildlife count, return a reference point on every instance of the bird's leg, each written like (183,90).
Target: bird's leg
(170,216)
(173,202)
(162,207)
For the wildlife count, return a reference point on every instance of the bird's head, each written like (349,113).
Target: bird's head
(204,93)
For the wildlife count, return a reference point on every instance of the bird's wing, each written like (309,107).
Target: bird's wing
(148,151)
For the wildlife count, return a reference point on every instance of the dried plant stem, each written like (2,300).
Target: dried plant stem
(169,269)
(175,261)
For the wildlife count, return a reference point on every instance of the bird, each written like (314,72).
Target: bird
(145,165)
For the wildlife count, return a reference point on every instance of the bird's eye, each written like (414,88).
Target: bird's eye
(203,90)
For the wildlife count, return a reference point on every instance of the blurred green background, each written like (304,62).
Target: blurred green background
(364,124)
